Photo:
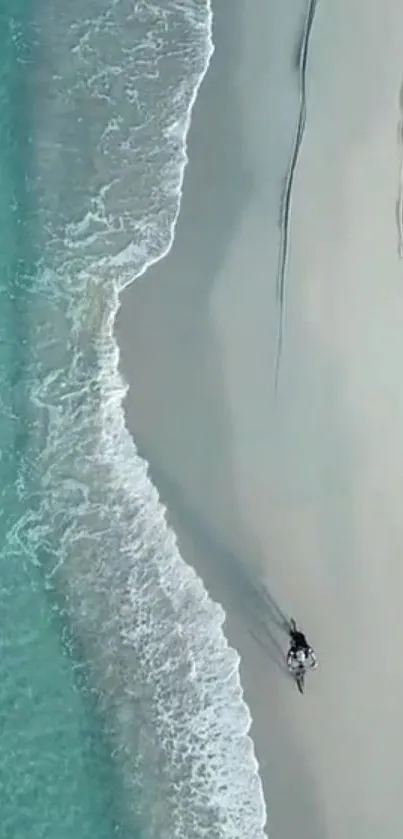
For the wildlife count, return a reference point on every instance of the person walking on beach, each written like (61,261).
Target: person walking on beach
(300,653)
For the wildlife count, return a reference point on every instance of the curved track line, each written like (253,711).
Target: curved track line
(287,195)
(399,202)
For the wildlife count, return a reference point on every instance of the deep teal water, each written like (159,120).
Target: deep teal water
(56,775)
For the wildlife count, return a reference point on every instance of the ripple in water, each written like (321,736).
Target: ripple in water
(112,87)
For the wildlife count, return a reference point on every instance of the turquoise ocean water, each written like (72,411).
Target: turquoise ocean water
(120,703)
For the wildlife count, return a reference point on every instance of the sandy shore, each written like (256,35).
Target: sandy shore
(302,489)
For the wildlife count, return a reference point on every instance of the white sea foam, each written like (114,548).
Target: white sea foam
(167,680)
(209,720)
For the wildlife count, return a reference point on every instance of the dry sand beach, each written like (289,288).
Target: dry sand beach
(299,489)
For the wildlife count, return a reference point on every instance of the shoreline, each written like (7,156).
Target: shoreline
(176,299)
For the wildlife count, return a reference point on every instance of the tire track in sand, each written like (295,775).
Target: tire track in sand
(285,214)
(399,201)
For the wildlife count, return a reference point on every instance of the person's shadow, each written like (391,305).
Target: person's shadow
(225,576)
(267,616)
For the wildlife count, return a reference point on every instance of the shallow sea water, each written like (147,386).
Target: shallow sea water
(121,707)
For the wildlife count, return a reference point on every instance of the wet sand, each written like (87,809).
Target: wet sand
(289,502)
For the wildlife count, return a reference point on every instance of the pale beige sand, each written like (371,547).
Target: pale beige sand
(304,489)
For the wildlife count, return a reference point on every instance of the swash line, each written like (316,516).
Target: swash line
(286,202)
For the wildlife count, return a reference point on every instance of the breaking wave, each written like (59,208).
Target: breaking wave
(112,86)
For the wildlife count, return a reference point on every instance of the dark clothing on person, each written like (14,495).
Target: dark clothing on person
(299,642)
(300,655)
